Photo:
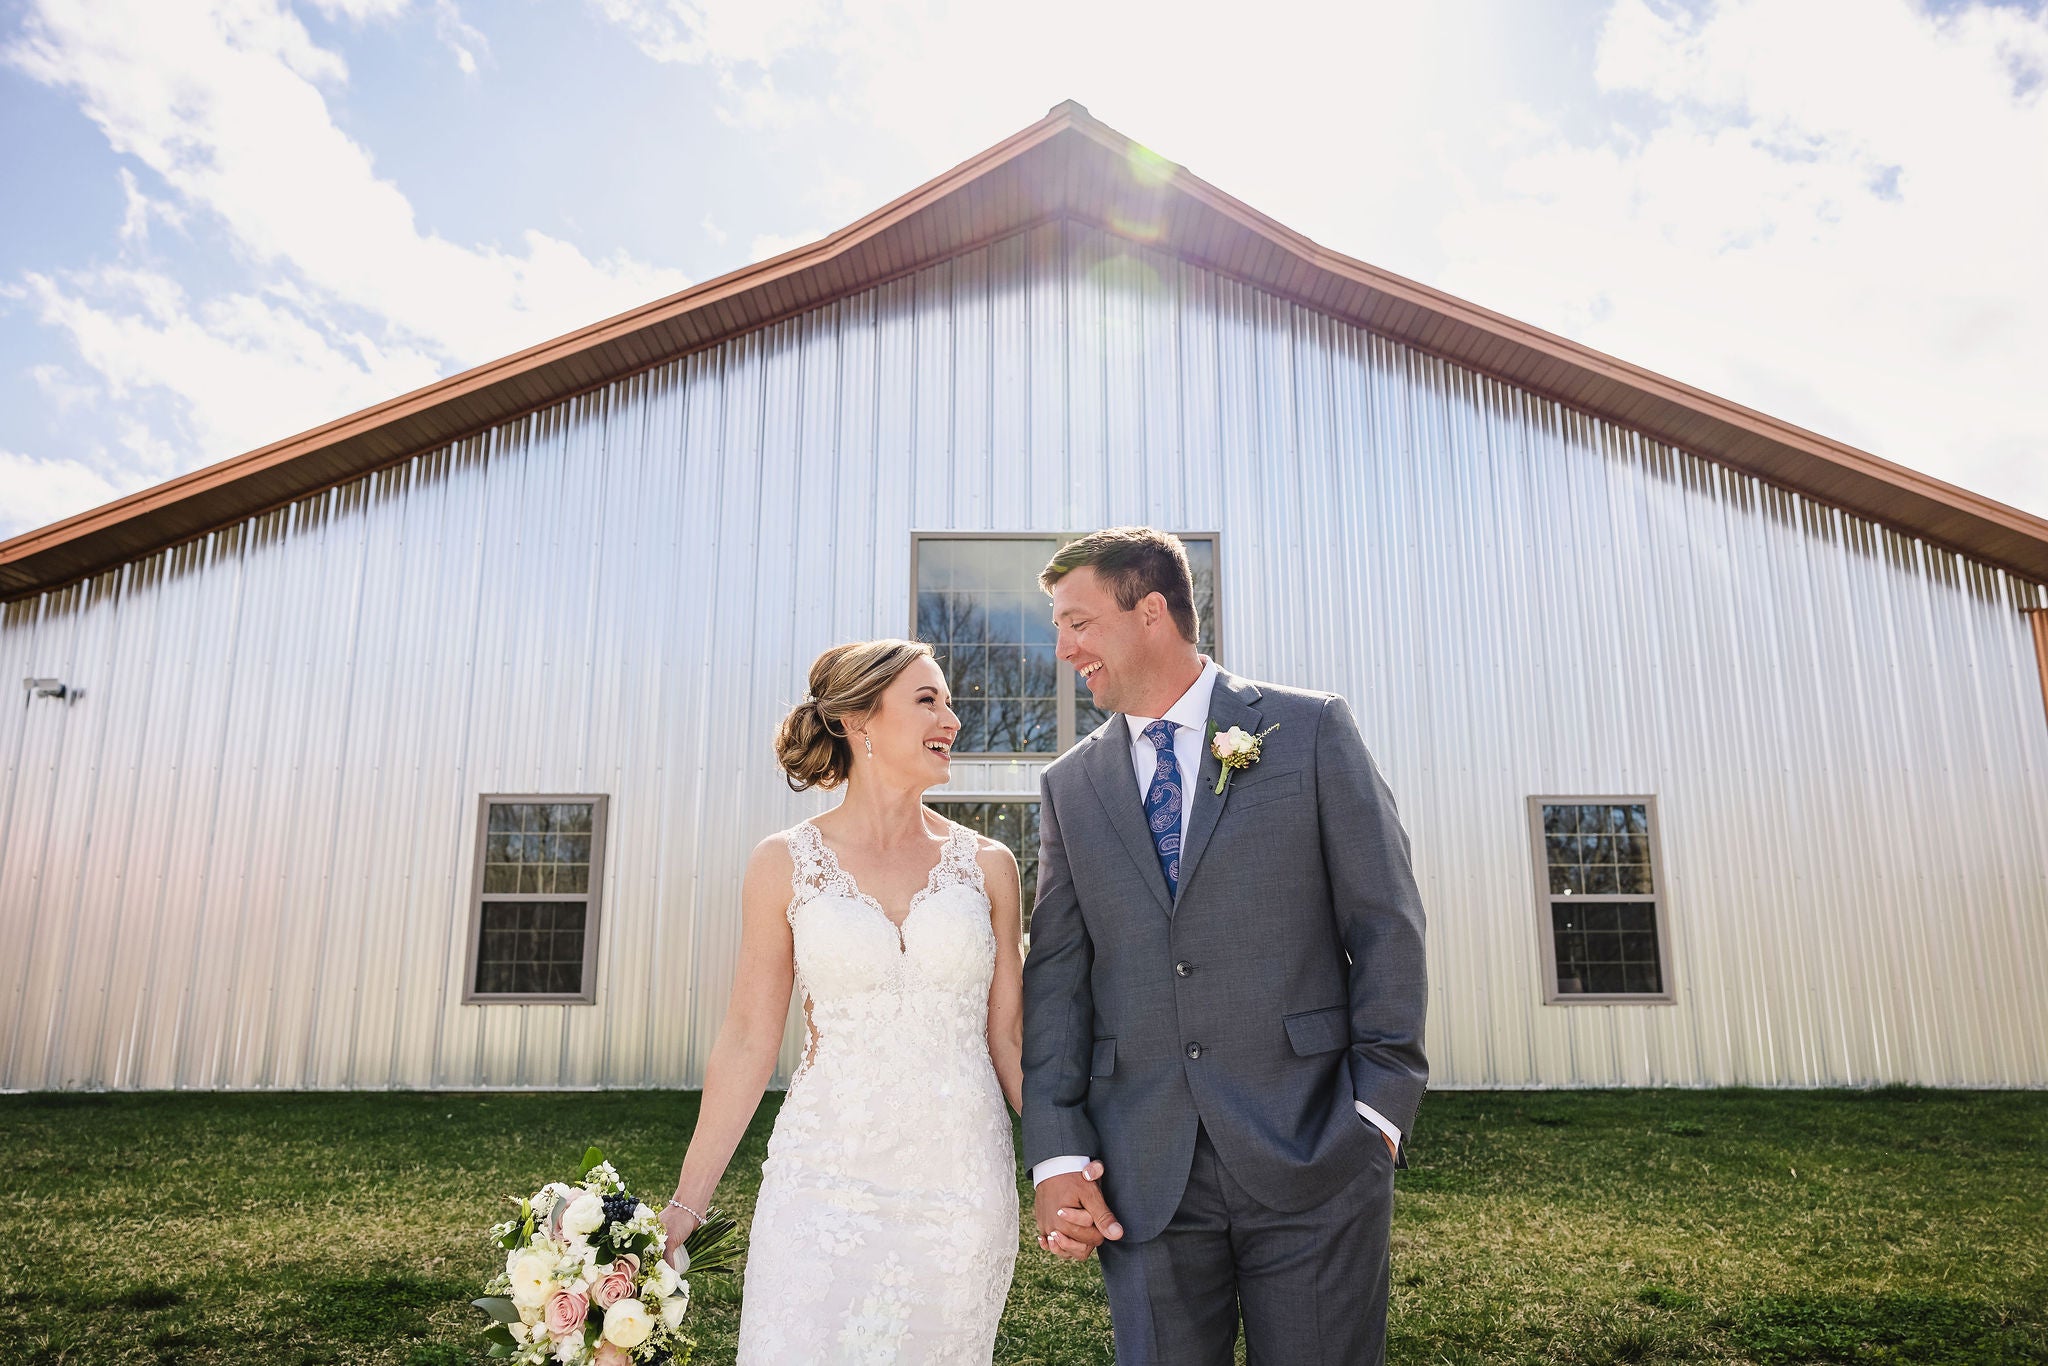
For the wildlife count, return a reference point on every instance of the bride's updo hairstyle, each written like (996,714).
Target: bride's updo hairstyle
(847,682)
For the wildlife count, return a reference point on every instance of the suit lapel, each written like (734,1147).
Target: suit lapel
(1108,766)
(1233,703)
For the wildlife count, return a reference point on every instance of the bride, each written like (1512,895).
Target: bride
(886,1228)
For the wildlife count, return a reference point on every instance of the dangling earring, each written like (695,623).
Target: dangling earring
(869,743)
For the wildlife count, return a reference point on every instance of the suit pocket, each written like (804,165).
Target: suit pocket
(1265,790)
(1319,1031)
(1104,1061)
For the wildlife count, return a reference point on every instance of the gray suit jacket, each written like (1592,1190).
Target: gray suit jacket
(1285,981)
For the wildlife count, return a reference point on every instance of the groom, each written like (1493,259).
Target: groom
(1224,995)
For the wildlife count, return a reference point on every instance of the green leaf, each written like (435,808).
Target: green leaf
(501,1335)
(499,1308)
(591,1158)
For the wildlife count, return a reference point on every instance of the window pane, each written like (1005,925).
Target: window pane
(978,605)
(973,737)
(1202,565)
(1608,948)
(529,946)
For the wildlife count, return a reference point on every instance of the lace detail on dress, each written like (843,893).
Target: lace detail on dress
(886,1227)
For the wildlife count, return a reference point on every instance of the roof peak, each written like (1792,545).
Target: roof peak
(1066,165)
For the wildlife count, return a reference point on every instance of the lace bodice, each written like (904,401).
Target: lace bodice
(860,971)
(887,1222)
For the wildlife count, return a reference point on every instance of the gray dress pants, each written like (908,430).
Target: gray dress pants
(1312,1286)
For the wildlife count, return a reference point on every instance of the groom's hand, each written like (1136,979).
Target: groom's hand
(1072,1218)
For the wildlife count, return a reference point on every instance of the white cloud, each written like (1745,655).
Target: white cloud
(345,300)
(141,208)
(43,491)
(723,32)
(1833,216)
(245,369)
(769,244)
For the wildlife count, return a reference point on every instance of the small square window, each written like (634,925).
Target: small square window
(534,908)
(1602,901)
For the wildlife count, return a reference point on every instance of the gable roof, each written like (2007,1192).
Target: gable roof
(1067,164)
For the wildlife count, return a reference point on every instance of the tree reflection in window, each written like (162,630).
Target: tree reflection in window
(980,608)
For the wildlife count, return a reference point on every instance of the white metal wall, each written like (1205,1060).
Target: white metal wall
(241,858)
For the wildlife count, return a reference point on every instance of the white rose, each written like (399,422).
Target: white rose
(675,1306)
(627,1324)
(532,1277)
(585,1213)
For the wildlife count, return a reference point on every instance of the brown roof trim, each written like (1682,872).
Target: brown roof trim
(1065,165)
(2038,616)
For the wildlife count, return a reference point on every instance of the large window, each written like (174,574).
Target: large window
(1014,821)
(979,606)
(534,911)
(1599,890)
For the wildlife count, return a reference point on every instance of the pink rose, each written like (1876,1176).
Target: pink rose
(628,1262)
(610,1354)
(617,1285)
(565,1312)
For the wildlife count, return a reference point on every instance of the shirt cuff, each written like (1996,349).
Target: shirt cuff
(1379,1122)
(1056,1166)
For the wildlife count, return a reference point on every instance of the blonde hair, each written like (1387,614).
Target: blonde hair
(846,681)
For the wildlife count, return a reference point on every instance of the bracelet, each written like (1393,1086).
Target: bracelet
(677,1204)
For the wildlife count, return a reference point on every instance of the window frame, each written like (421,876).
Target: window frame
(1064,684)
(592,899)
(1546,899)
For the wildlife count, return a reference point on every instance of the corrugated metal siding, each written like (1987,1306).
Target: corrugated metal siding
(242,857)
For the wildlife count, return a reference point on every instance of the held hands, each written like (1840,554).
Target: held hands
(1072,1219)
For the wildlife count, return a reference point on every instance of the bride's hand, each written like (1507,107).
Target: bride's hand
(679,1225)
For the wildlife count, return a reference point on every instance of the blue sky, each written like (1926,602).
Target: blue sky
(226,221)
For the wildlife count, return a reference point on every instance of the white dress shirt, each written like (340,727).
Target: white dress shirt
(1190,717)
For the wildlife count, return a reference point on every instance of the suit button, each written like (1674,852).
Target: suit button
(1194,1051)
(1183,968)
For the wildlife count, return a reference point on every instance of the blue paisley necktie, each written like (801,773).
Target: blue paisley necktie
(1163,801)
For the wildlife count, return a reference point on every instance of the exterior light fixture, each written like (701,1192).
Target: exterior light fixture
(48,687)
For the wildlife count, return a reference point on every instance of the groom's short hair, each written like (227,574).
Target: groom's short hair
(1133,561)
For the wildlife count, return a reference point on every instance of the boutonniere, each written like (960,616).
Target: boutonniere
(1235,748)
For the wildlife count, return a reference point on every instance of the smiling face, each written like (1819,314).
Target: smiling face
(911,729)
(1133,660)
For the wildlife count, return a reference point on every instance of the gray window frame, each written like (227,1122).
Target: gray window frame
(1064,680)
(1545,899)
(592,899)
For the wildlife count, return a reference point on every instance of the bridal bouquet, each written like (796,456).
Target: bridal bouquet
(585,1282)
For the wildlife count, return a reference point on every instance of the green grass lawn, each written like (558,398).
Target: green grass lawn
(1589,1227)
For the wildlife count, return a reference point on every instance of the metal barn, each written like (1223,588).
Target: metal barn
(425,749)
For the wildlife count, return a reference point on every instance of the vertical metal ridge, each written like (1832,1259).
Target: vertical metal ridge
(242,858)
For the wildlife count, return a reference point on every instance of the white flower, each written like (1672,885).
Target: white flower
(675,1306)
(569,1349)
(532,1278)
(627,1324)
(665,1278)
(584,1215)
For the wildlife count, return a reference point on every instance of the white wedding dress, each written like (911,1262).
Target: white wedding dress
(886,1230)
